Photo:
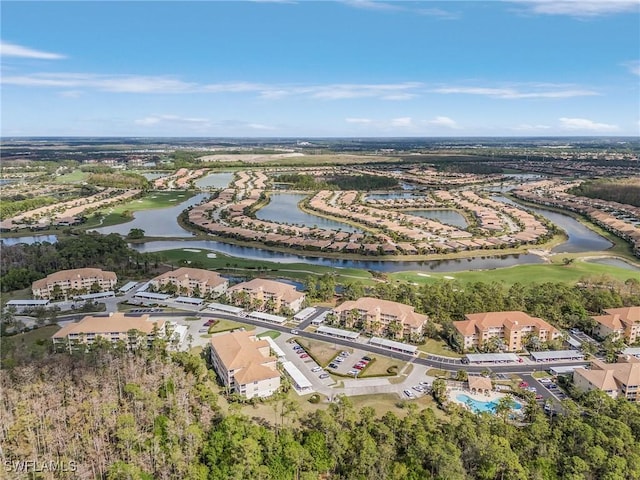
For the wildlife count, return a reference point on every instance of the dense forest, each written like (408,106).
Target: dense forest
(147,415)
(124,180)
(22,264)
(362,182)
(614,190)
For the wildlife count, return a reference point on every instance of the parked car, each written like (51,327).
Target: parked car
(304,355)
(333,365)
(344,353)
(523,385)
(358,367)
(294,331)
(353,372)
(417,388)
(316,369)
(368,359)
(324,375)
(409,394)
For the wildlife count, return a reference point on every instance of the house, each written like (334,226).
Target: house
(266,295)
(244,364)
(381,317)
(620,322)
(510,328)
(192,282)
(74,282)
(135,331)
(621,379)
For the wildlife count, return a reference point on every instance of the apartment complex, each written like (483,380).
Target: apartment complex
(74,282)
(381,317)
(192,282)
(621,322)
(244,364)
(261,294)
(133,331)
(621,379)
(510,328)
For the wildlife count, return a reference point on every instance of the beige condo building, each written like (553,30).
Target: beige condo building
(511,328)
(621,322)
(244,364)
(262,292)
(189,280)
(79,281)
(621,379)
(382,317)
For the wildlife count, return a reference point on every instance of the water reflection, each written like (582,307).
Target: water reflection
(215,180)
(283,208)
(448,217)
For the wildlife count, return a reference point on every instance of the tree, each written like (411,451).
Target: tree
(439,390)
(135,234)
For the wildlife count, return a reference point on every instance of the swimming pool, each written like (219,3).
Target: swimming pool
(478,406)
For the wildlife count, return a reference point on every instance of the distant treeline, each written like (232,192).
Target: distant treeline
(22,264)
(342,182)
(124,180)
(614,190)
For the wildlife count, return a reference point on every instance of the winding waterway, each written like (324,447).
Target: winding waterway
(162,223)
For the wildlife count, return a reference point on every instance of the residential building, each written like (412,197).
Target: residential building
(138,331)
(381,317)
(74,282)
(621,379)
(511,329)
(270,295)
(244,364)
(620,322)
(192,282)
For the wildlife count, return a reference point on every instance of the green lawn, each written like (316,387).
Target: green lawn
(438,347)
(525,274)
(270,333)
(225,325)
(153,200)
(76,176)
(33,343)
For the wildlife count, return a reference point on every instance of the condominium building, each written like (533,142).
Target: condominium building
(138,331)
(511,328)
(244,364)
(381,317)
(192,282)
(621,379)
(620,322)
(261,294)
(74,282)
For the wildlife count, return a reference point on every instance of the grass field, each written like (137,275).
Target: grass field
(270,333)
(525,274)
(224,263)
(322,352)
(378,367)
(438,347)
(36,342)
(76,176)
(153,200)
(225,325)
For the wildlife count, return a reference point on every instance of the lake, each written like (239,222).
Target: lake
(283,208)
(581,238)
(159,222)
(448,217)
(215,180)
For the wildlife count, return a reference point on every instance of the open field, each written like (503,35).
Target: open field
(322,352)
(525,274)
(379,366)
(119,213)
(236,265)
(35,342)
(77,176)
(270,333)
(438,347)
(222,325)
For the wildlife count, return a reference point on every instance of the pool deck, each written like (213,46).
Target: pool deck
(490,397)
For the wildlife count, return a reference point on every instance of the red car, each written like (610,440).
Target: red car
(523,385)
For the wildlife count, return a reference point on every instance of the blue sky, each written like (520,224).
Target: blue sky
(331,68)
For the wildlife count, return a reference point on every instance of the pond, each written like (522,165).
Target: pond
(615,262)
(581,238)
(158,222)
(29,239)
(215,180)
(448,217)
(391,195)
(484,262)
(154,175)
(283,208)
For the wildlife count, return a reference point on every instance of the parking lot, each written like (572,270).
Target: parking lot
(309,368)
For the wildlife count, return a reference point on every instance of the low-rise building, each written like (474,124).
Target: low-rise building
(621,379)
(192,282)
(244,364)
(74,282)
(381,317)
(511,329)
(138,331)
(261,294)
(620,322)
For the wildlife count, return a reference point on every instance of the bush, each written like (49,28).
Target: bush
(315,398)
(392,370)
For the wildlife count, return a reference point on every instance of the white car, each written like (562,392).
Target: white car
(409,393)
(316,369)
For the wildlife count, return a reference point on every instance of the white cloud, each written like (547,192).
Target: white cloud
(532,91)
(71,93)
(364,121)
(404,122)
(525,127)
(413,7)
(443,122)
(259,126)
(586,125)
(175,119)
(633,66)
(12,50)
(579,8)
